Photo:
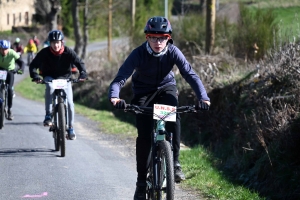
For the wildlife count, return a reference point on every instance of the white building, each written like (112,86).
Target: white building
(16,13)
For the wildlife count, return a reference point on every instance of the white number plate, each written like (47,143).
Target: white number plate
(161,110)
(3,74)
(59,84)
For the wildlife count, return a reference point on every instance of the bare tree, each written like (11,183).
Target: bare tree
(210,25)
(49,11)
(109,34)
(85,28)
(77,32)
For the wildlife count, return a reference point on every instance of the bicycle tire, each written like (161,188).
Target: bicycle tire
(56,135)
(165,172)
(62,128)
(2,107)
(149,180)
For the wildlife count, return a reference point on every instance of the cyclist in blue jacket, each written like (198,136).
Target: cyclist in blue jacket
(8,58)
(55,62)
(154,82)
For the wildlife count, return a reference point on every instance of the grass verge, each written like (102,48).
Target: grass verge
(197,163)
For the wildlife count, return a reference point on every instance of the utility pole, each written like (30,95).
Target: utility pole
(166,9)
(133,3)
(109,29)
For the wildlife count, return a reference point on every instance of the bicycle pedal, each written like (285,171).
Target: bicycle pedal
(52,128)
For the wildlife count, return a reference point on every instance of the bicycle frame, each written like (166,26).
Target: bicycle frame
(160,167)
(159,135)
(160,178)
(59,114)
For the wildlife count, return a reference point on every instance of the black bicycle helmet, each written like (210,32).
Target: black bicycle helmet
(55,35)
(158,25)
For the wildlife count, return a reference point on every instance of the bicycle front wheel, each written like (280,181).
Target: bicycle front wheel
(165,172)
(62,128)
(2,107)
(55,131)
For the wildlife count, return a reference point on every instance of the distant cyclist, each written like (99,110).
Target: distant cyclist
(154,82)
(36,42)
(8,58)
(46,43)
(17,46)
(56,62)
(31,50)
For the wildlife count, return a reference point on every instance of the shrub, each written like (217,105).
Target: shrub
(255,28)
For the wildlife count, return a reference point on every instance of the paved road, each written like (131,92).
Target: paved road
(95,167)
(29,167)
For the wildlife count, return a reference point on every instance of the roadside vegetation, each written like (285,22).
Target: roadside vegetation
(246,146)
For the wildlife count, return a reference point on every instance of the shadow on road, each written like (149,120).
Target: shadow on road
(23,123)
(39,152)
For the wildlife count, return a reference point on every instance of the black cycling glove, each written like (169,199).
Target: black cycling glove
(83,75)
(36,79)
(202,106)
(120,104)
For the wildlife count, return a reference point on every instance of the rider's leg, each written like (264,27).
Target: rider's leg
(10,82)
(144,126)
(48,100)
(69,92)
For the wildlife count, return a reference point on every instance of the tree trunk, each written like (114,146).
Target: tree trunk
(52,15)
(76,25)
(210,25)
(109,30)
(133,11)
(85,28)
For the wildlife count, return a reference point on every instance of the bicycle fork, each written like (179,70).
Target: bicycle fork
(55,102)
(159,135)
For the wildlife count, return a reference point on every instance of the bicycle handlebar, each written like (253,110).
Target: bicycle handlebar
(68,80)
(149,110)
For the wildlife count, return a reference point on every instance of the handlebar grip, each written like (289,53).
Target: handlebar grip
(121,104)
(202,106)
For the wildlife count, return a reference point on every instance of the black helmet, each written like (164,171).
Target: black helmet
(55,35)
(158,25)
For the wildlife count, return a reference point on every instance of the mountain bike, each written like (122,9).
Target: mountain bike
(59,115)
(3,96)
(160,167)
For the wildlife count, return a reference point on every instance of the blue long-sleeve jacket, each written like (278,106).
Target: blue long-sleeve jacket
(151,73)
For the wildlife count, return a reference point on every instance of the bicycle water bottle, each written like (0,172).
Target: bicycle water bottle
(160,126)
(1,101)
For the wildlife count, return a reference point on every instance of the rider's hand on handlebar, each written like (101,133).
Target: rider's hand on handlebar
(118,103)
(203,105)
(37,80)
(82,77)
(20,71)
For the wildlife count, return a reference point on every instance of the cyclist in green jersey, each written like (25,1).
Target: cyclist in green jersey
(8,58)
